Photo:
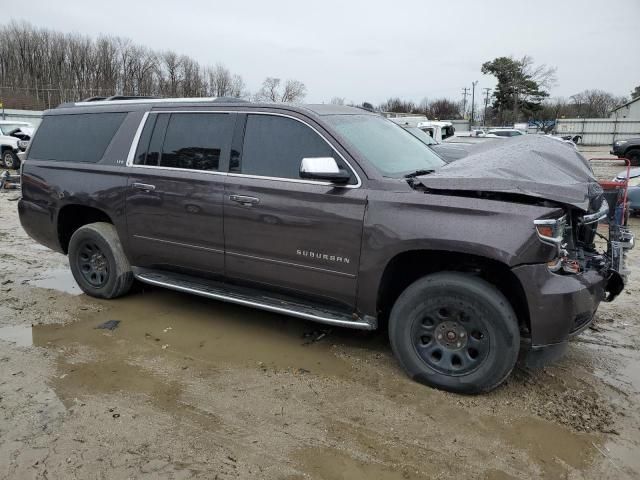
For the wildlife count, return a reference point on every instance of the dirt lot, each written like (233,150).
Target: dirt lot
(192,388)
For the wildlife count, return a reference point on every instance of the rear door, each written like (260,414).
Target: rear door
(283,231)
(175,191)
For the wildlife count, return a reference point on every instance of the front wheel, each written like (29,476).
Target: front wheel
(456,332)
(10,160)
(98,262)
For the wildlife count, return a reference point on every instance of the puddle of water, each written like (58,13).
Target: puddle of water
(333,464)
(178,326)
(17,334)
(172,331)
(60,279)
(548,444)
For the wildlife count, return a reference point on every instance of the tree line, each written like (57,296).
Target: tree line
(41,68)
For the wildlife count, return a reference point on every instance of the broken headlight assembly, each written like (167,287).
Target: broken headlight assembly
(552,232)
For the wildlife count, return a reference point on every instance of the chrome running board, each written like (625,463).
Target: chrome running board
(255,298)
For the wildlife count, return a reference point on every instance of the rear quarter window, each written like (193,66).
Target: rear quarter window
(80,137)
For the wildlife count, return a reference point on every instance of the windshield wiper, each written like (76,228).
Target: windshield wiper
(417,173)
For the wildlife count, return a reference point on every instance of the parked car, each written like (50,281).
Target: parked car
(633,191)
(629,148)
(505,132)
(331,214)
(14,140)
(449,152)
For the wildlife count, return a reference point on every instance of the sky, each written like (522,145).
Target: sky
(372,50)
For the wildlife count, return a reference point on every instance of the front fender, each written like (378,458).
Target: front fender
(397,223)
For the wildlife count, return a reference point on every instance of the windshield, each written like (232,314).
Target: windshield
(7,128)
(389,147)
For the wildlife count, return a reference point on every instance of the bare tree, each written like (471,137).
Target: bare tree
(594,103)
(337,101)
(293,91)
(40,68)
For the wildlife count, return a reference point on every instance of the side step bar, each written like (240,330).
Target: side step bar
(253,298)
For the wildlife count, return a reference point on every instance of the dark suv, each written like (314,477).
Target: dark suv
(332,214)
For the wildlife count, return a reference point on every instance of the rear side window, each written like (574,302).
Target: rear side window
(275,146)
(80,137)
(192,141)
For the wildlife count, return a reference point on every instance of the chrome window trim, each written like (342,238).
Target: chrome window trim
(136,140)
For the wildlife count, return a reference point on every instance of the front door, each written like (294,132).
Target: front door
(174,204)
(283,231)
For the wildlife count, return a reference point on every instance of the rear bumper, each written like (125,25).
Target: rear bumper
(559,305)
(37,222)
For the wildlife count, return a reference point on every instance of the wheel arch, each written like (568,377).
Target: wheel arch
(408,266)
(73,216)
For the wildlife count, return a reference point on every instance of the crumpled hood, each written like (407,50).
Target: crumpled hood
(529,165)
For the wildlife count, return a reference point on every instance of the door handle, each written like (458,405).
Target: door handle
(244,200)
(143,186)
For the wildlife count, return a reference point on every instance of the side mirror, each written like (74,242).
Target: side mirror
(323,168)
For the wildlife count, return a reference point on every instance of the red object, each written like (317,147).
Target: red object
(613,185)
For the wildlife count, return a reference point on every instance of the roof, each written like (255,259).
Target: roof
(633,100)
(142,103)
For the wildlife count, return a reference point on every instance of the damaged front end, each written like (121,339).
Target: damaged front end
(536,168)
(585,225)
(591,241)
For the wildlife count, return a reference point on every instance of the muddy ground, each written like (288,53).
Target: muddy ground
(187,387)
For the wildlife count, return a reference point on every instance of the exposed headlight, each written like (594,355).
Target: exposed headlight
(621,142)
(551,230)
(23,144)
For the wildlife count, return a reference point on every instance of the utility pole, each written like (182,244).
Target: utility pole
(473,102)
(486,103)
(465,92)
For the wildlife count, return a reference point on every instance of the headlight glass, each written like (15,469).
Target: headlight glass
(551,230)
(23,144)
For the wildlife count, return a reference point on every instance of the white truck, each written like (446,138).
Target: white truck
(14,140)
(439,131)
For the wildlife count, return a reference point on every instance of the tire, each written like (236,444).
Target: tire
(98,262)
(10,160)
(456,332)
(634,157)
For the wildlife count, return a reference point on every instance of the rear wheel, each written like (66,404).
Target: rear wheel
(10,160)
(98,262)
(634,157)
(456,332)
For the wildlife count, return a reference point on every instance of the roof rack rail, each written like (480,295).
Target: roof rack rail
(230,100)
(93,99)
(129,100)
(130,97)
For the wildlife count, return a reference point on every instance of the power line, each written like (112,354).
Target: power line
(486,103)
(465,93)
(473,102)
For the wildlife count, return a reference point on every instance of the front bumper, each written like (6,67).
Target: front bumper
(559,305)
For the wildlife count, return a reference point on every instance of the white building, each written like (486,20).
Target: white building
(630,110)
